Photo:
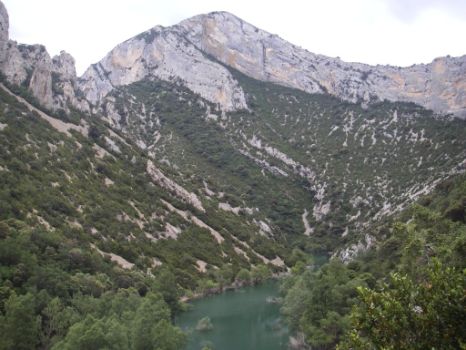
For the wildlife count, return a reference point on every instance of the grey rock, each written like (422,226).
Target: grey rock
(440,85)
(194,52)
(164,54)
(64,80)
(64,64)
(29,66)
(51,81)
(4,26)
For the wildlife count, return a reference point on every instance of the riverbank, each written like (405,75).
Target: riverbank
(234,286)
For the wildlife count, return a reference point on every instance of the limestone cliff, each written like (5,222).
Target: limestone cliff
(4,23)
(52,81)
(194,53)
(163,53)
(440,86)
(190,51)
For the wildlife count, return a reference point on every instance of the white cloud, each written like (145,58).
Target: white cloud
(398,32)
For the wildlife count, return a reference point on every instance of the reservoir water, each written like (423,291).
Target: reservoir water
(242,320)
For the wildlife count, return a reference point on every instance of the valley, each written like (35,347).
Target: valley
(179,166)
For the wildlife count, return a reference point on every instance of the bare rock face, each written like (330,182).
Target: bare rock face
(164,54)
(440,86)
(51,81)
(64,83)
(64,65)
(4,23)
(29,66)
(4,26)
(194,52)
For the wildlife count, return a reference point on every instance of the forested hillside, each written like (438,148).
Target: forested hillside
(176,168)
(90,243)
(406,293)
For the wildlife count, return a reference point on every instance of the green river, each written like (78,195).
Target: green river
(241,319)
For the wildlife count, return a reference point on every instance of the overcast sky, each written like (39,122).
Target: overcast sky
(397,32)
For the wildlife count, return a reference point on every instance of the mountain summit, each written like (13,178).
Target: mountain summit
(196,51)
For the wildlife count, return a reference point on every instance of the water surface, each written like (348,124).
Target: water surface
(242,320)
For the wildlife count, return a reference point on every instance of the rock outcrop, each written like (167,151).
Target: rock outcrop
(164,54)
(52,81)
(440,85)
(195,52)
(4,23)
(190,51)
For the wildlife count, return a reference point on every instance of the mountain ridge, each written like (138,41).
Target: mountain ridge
(166,172)
(439,85)
(162,92)
(190,52)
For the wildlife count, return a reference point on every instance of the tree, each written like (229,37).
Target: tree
(243,276)
(57,319)
(143,325)
(167,286)
(224,275)
(151,311)
(429,314)
(167,337)
(260,273)
(19,326)
(317,303)
(88,334)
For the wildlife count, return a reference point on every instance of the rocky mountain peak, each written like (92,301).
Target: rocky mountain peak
(229,39)
(184,53)
(440,86)
(197,51)
(4,23)
(52,81)
(64,64)
(163,53)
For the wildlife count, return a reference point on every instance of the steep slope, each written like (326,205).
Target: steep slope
(163,54)
(429,297)
(440,86)
(165,171)
(230,141)
(339,167)
(190,51)
(87,180)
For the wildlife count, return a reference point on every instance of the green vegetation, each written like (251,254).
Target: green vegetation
(364,162)
(204,324)
(421,305)
(95,253)
(56,293)
(64,210)
(408,314)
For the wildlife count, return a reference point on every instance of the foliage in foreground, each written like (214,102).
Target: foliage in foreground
(408,314)
(421,306)
(58,294)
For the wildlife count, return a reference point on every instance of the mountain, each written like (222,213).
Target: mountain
(222,130)
(195,51)
(51,81)
(192,152)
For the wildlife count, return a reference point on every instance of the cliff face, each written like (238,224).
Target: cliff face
(194,53)
(164,54)
(52,81)
(440,85)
